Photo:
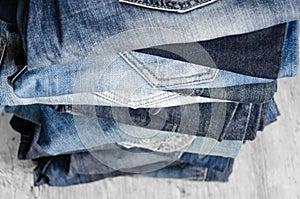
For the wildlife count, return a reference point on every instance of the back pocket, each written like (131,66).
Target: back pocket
(168,74)
(179,6)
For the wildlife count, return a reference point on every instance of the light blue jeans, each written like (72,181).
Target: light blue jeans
(65,133)
(110,27)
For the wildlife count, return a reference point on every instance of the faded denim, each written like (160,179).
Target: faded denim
(134,98)
(152,73)
(12,62)
(278,58)
(177,119)
(115,81)
(124,27)
(290,56)
(256,54)
(73,140)
(58,171)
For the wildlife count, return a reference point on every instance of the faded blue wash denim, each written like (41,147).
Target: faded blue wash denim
(65,133)
(226,51)
(109,158)
(30,131)
(251,93)
(12,62)
(214,120)
(111,154)
(272,113)
(255,54)
(155,73)
(152,74)
(118,81)
(93,163)
(112,26)
(177,119)
(290,56)
(147,98)
(60,170)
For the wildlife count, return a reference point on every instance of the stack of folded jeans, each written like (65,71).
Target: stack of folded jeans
(163,89)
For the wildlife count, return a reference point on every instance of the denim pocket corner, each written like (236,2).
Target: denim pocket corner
(156,72)
(179,6)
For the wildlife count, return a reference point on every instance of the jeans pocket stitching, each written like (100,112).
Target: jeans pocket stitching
(190,79)
(136,103)
(170,5)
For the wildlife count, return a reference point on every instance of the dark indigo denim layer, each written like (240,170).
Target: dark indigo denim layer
(255,54)
(57,171)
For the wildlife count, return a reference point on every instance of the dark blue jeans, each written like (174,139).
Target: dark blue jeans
(207,119)
(255,54)
(60,170)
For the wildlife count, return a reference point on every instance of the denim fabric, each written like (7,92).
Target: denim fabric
(112,26)
(31,113)
(13,61)
(8,10)
(290,56)
(111,154)
(226,51)
(2,49)
(272,113)
(223,50)
(150,73)
(208,121)
(115,82)
(64,133)
(56,171)
(215,120)
(165,73)
(252,93)
(255,54)
(269,114)
(133,97)
(177,119)
(26,129)
(93,163)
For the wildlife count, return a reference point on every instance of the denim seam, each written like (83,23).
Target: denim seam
(165,95)
(196,77)
(173,78)
(201,174)
(160,79)
(173,125)
(222,135)
(247,121)
(181,9)
(113,97)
